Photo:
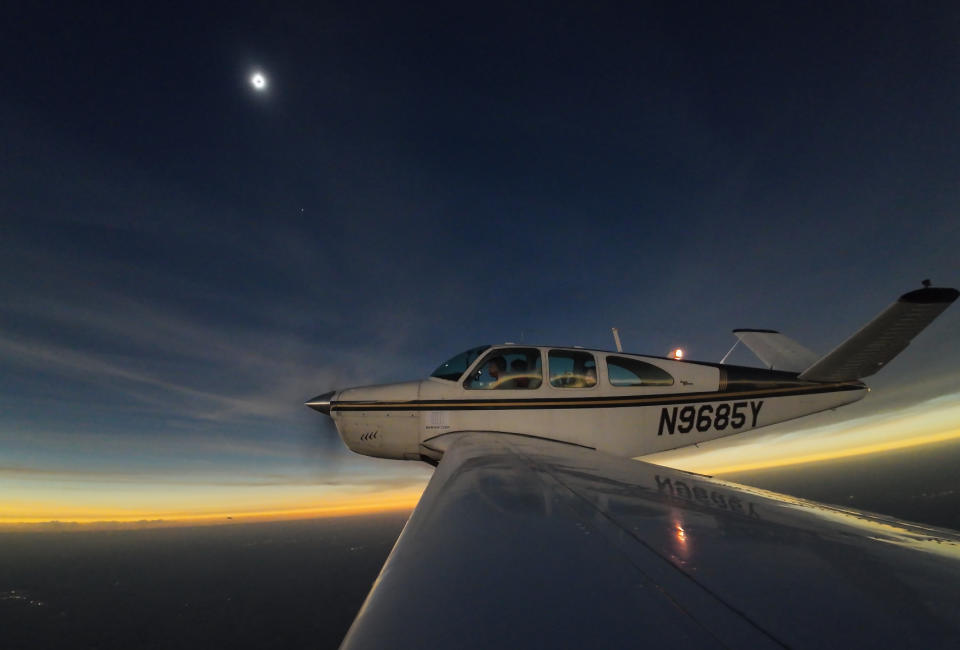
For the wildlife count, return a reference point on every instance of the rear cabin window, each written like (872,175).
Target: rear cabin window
(455,367)
(571,369)
(630,372)
(507,369)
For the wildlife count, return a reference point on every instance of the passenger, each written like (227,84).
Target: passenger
(518,368)
(589,377)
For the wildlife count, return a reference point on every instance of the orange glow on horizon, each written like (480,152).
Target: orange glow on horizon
(932,422)
(43,515)
(863,450)
(41,500)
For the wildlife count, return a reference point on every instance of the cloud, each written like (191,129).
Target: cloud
(217,370)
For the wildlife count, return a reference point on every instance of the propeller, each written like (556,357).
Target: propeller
(320,444)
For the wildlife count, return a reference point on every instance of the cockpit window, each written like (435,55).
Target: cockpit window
(570,369)
(631,372)
(507,368)
(455,367)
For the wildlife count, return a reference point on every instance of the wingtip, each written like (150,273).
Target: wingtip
(931,295)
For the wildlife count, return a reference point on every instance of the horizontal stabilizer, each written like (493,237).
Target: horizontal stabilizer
(883,338)
(776,351)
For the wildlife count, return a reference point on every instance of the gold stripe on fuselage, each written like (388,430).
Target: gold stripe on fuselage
(713,396)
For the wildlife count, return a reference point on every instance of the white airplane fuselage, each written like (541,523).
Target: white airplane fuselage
(609,402)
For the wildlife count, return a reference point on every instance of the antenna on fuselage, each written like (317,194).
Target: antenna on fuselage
(616,338)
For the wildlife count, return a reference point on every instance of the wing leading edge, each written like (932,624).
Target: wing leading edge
(520,541)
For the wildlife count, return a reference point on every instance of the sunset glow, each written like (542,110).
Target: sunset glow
(927,423)
(18,514)
(37,498)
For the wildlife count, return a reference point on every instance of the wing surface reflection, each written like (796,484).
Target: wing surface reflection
(522,541)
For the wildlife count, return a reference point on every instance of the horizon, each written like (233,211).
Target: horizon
(931,422)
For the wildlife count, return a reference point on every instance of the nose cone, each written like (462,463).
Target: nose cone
(321,402)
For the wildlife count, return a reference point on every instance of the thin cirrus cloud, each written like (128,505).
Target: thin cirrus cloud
(215,371)
(130,411)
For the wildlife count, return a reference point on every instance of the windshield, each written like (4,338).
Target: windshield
(510,368)
(458,365)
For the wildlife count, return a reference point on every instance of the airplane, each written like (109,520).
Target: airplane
(541,526)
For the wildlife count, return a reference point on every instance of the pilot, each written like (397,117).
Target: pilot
(496,368)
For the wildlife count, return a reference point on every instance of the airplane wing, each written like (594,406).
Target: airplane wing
(519,541)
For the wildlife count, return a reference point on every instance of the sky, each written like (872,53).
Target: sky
(184,260)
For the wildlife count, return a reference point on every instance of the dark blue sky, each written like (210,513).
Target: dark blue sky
(184,261)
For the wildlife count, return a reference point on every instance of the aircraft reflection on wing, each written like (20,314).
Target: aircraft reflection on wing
(566,546)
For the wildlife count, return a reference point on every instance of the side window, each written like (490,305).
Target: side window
(631,372)
(571,369)
(507,368)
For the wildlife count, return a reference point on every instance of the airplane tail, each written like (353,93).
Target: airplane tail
(883,338)
(864,353)
(777,351)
